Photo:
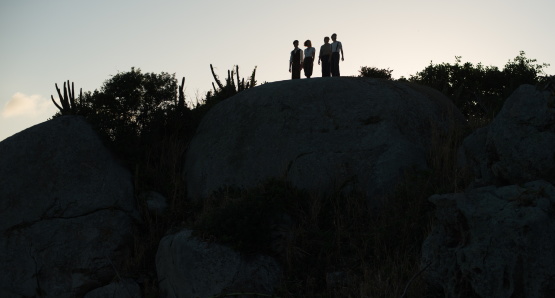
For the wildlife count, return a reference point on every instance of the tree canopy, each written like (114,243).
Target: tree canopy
(130,104)
(477,90)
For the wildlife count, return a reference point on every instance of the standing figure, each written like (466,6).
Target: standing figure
(296,61)
(336,47)
(309,55)
(325,57)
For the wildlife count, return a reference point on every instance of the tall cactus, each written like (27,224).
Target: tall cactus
(240,86)
(252,81)
(216,79)
(181,101)
(68,102)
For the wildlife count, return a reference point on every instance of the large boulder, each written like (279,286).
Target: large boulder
(67,211)
(494,242)
(322,134)
(188,267)
(519,144)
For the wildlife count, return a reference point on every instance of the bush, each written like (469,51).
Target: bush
(373,72)
(480,91)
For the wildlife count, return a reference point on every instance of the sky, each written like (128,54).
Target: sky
(87,42)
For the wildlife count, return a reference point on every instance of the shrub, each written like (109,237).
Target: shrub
(480,91)
(373,72)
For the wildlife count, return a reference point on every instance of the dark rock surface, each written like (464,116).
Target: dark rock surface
(498,240)
(322,134)
(67,211)
(519,145)
(494,242)
(188,267)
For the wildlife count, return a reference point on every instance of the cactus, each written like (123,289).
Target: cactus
(216,79)
(230,81)
(252,81)
(239,84)
(68,102)
(181,101)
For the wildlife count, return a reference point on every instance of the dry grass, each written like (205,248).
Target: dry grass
(334,246)
(161,172)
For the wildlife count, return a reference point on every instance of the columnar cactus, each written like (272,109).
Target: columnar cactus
(181,101)
(68,102)
(230,81)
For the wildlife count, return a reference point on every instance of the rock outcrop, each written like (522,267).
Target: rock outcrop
(498,240)
(188,267)
(518,146)
(323,134)
(494,242)
(67,211)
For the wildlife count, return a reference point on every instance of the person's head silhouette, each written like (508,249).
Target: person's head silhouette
(296,43)
(308,43)
(326,39)
(334,37)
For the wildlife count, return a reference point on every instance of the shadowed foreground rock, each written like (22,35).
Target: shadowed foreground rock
(188,267)
(494,242)
(66,210)
(322,134)
(499,240)
(127,288)
(519,145)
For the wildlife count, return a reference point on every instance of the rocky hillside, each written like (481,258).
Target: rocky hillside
(69,214)
(496,238)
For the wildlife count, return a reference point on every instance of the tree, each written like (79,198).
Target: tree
(478,91)
(130,104)
(522,70)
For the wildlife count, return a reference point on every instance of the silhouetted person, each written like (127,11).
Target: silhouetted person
(309,55)
(325,57)
(296,61)
(336,48)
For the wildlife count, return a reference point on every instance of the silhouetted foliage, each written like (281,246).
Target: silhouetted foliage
(181,107)
(130,104)
(373,72)
(69,104)
(479,91)
(139,114)
(133,112)
(231,86)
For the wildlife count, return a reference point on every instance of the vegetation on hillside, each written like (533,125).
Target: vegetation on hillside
(477,90)
(329,245)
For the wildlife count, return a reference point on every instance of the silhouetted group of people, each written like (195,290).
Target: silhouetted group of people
(328,58)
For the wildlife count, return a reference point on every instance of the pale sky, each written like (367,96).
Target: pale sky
(47,42)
